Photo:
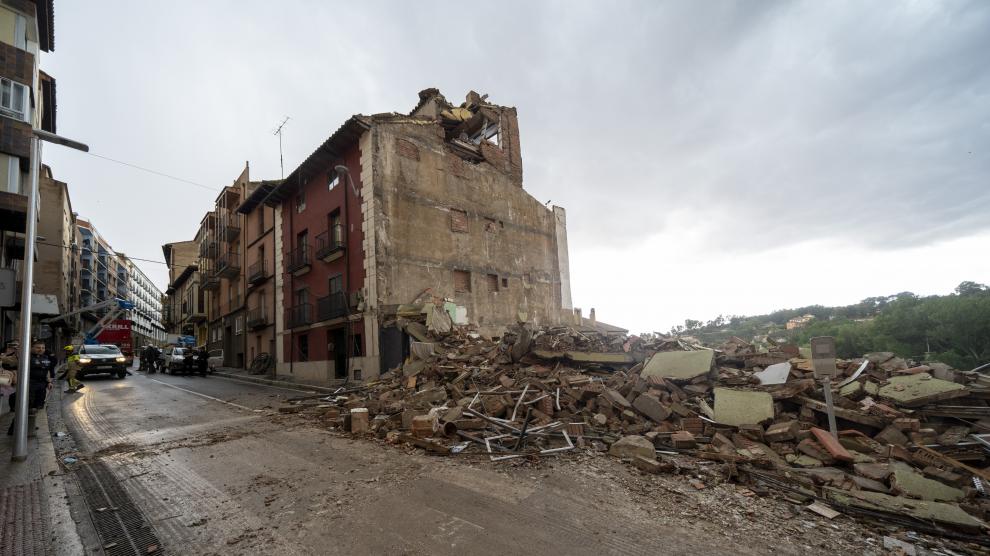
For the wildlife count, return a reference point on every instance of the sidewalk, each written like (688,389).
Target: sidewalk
(34,511)
(247,376)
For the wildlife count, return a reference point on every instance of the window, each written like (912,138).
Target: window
(492,282)
(303,349)
(20,32)
(462,281)
(458,221)
(13,97)
(301,200)
(337,283)
(505,282)
(336,230)
(358,346)
(302,240)
(239,325)
(333,181)
(261,221)
(302,296)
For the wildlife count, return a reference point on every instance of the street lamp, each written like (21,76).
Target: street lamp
(24,361)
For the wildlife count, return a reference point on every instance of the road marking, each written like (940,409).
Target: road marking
(245,408)
(262,385)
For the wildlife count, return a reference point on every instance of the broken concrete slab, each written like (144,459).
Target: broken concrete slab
(742,407)
(920,389)
(909,482)
(928,511)
(680,365)
(774,374)
(782,432)
(651,407)
(633,446)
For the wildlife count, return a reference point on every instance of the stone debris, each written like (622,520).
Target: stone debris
(905,454)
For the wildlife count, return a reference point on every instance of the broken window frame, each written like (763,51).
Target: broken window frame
(488,131)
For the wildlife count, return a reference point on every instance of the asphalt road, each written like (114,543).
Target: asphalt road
(216,471)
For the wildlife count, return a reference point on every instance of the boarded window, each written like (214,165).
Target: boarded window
(458,221)
(492,282)
(462,281)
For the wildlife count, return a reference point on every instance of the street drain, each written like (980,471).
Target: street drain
(120,524)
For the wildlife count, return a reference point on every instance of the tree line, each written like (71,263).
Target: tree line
(953,329)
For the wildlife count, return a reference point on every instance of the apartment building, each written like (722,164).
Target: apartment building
(259,274)
(146,317)
(395,209)
(184,309)
(27,102)
(56,271)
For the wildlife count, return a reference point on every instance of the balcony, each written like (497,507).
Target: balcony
(230,226)
(257,318)
(299,315)
(209,281)
(297,261)
(208,249)
(332,306)
(195,314)
(229,264)
(330,244)
(257,272)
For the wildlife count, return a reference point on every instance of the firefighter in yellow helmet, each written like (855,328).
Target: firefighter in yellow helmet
(71,368)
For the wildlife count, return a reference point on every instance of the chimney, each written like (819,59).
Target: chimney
(591,316)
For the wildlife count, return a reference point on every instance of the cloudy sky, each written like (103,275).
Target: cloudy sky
(714,157)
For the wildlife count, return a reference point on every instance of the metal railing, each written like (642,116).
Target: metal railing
(297,258)
(299,315)
(330,241)
(257,317)
(332,306)
(257,271)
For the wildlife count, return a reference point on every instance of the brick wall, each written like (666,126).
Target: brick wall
(16,64)
(15,137)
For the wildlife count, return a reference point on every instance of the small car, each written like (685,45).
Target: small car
(174,359)
(102,358)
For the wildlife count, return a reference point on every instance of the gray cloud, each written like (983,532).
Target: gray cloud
(768,123)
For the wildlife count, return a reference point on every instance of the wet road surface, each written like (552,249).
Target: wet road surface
(216,470)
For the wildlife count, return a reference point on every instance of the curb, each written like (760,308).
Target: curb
(271,382)
(65,538)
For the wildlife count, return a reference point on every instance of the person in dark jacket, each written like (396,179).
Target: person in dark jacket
(202,361)
(41,376)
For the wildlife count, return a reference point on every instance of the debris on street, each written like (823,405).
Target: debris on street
(906,452)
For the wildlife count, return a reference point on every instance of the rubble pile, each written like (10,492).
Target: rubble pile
(911,448)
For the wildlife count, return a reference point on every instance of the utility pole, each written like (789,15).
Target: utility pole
(278,131)
(27,289)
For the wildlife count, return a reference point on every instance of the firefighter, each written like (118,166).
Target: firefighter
(71,368)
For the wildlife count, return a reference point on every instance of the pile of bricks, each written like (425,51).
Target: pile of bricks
(907,435)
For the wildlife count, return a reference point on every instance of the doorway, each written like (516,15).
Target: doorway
(337,352)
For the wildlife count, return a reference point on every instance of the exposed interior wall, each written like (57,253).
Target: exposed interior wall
(369,364)
(563,259)
(440,215)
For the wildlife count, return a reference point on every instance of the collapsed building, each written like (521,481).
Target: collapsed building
(422,212)
(911,451)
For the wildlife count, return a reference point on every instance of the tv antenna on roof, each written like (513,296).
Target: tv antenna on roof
(278,131)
